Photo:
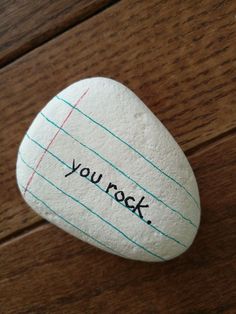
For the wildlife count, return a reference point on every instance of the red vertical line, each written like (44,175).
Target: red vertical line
(52,140)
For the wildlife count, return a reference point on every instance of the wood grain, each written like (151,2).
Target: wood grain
(27,24)
(48,271)
(179,57)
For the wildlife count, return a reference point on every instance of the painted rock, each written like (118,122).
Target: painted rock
(98,164)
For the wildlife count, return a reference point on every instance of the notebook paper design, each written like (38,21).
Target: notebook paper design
(98,164)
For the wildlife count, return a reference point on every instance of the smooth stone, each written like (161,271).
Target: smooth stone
(97,163)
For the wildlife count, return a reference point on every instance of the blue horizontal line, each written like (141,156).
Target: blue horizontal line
(90,210)
(132,148)
(68,222)
(123,173)
(65,164)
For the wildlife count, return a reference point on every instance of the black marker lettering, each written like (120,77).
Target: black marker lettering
(111,185)
(73,168)
(112,190)
(138,206)
(84,172)
(126,201)
(120,199)
(93,180)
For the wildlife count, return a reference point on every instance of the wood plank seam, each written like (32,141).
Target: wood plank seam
(206,144)
(15,56)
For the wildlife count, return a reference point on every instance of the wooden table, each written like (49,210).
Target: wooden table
(179,57)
